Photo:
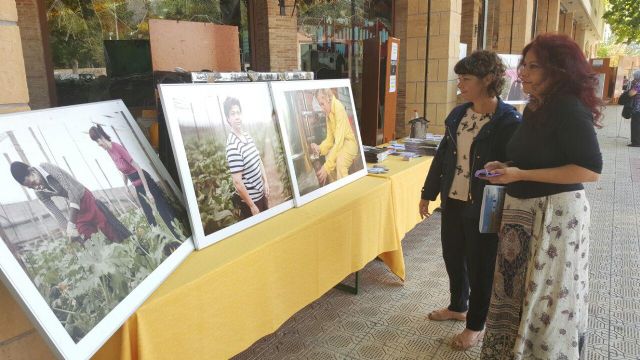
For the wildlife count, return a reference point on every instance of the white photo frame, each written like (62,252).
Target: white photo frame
(202,105)
(512,92)
(292,125)
(59,138)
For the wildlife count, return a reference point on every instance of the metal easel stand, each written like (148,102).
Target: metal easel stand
(348,288)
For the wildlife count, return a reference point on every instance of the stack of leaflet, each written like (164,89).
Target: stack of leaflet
(375,155)
(419,146)
(423,146)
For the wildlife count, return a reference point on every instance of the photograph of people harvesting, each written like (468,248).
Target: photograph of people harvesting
(149,194)
(86,216)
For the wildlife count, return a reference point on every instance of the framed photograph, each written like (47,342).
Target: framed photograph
(512,92)
(321,135)
(230,157)
(90,221)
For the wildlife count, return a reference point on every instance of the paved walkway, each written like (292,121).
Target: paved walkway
(387,320)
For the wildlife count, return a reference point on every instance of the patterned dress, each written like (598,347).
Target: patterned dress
(539,302)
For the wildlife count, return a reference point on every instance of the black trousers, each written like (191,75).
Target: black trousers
(635,129)
(164,209)
(245,211)
(469,258)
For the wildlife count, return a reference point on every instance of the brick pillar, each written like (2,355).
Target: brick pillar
(443,55)
(34,36)
(567,28)
(15,94)
(18,338)
(493,17)
(581,38)
(553,15)
(522,25)
(470,23)
(542,17)
(411,29)
(548,16)
(401,11)
(273,36)
(514,32)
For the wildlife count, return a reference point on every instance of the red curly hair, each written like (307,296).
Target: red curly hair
(568,70)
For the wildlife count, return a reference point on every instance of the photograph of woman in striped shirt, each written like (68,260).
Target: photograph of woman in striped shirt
(245,164)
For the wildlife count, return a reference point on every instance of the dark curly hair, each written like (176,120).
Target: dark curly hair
(568,70)
(482,63)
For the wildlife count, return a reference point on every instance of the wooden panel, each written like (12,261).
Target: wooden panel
(370,85)
(193,46)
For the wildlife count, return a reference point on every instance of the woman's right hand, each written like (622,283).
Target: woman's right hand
(423,208)
(315,149)
(492,165)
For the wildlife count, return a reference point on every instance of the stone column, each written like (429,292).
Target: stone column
(411,28)
(553,15)
(444,53)
(514,26)
(18,338)
(34,34)
(522,25)
(15,94)
(567,28)
(580,38)
(470,23)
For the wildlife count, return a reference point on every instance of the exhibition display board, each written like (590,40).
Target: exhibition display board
(82,264)
(90,221)
(230,294)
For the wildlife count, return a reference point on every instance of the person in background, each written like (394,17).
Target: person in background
(340,147)
(625,83)
(86,214)
(246,167)
(150,195)
(539,301)
(634,94)
(476,132)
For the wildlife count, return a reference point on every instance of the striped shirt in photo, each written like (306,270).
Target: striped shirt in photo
(243,157)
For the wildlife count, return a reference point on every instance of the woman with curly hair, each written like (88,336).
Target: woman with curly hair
(476,132)
(539,300)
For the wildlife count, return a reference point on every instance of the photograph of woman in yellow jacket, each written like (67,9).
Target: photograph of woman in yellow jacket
(340,146)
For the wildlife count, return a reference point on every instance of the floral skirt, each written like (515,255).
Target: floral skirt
(539,300)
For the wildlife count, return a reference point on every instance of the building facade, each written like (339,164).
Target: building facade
(323,36)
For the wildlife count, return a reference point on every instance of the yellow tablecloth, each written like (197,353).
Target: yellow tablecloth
(407,178)
(227,296)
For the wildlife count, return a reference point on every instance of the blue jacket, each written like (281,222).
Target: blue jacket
(489,145)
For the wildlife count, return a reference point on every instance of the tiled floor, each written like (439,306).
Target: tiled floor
(387,319)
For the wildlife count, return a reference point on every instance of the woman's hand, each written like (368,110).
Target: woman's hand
(315,149)
(632,92)
(322,175)
(505,175)
(423,208)
(492,165)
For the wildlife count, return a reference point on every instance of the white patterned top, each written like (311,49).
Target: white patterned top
(467,131)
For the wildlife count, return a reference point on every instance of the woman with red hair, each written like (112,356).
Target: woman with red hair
(539,303)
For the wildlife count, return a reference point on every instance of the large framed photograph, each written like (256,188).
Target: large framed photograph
(230,157)
(512,92)
(321,135)
(90,221)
